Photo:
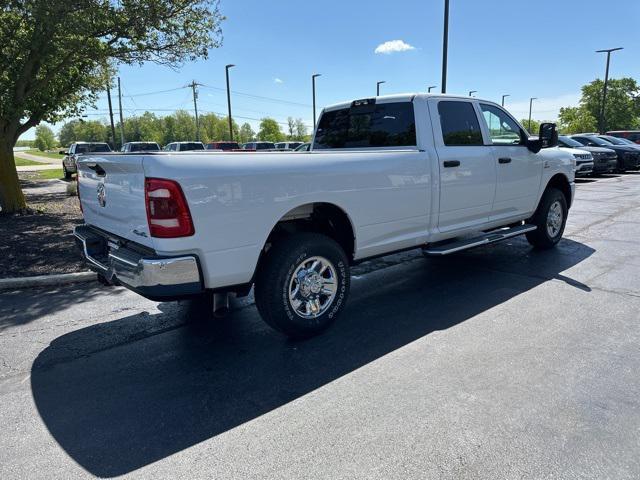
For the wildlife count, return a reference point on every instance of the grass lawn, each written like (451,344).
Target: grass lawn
(21,162)
(48,174)
(55,155)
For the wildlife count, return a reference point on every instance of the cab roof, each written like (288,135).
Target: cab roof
(403,97)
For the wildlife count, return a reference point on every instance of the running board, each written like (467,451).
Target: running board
(489,237)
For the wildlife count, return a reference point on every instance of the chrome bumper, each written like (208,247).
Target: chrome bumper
(149,275)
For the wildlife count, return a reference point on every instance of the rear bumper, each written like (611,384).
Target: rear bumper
(152,276)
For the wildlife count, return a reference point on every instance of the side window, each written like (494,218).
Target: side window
(503,130)
(72,149)
(459,123)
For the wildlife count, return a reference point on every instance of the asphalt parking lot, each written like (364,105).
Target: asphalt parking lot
(500,362)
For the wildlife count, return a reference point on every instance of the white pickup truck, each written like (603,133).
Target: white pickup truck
(437,172)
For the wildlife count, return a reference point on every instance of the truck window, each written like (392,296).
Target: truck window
(503,130)
(385,125)
(459,124)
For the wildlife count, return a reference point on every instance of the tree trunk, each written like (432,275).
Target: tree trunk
(11,197)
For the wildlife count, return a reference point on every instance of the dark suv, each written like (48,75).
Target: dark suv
(78,148)
(604,159)
(628,156)
(633,135)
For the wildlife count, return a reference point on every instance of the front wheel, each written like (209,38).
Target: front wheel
(550,218)
(302,284)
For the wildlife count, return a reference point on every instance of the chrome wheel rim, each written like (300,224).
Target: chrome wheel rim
(313,287)
(554,219)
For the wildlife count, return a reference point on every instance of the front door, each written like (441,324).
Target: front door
(519,169)
(467,168)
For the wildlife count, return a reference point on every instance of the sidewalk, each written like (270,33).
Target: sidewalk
(37,158)
(35,168)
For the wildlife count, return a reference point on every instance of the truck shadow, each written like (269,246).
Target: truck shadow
(117,408)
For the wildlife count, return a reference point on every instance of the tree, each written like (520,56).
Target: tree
(301,131)
(535,126)
(83,131)
(270,130)
(57,55)
(246,133)
(576,120)
(291,126)
(45,139)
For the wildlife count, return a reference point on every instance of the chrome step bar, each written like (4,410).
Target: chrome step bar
(488,237)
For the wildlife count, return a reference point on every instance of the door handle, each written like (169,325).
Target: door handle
(451,163)
(504,160)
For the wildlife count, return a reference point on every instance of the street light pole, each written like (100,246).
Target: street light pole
(378,87)
(608,51)
(503,97)
(226,68)
(313,92)
(121,119)
(445,46)
(471,92)
(429,88)
(530,107)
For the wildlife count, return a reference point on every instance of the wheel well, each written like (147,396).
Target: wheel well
(560,182)
(324,218)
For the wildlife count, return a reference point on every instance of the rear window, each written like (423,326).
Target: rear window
(459,123)
(264,146)
(92,147)
(191,146)
(222,145)
(144,147)
(364,126)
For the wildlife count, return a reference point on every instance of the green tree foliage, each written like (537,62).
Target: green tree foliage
(576,120)
(270,130)
(57,55)
(83,131)
(246,133)
(301,131)
(535,126)
(45,140)
(622,110)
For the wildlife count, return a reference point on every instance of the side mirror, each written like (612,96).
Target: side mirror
(548,135)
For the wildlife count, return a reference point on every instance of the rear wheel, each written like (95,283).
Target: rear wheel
(302,284)
(550,218)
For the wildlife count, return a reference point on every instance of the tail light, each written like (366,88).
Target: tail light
(167,210)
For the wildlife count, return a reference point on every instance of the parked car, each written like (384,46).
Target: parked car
(305,147)
(584,160)
(183,147)
(619,141)
(287,145)
(416,173)
(628,157)
(223,146)
(633,135)
(259,146)
(605,160)
(69,161)
(140,147)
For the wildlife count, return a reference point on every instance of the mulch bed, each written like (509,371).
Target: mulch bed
(40,242)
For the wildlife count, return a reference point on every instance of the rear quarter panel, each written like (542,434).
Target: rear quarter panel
(236,199)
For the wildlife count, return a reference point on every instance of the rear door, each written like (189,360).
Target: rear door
(467,168)
(111,189)
(519,170)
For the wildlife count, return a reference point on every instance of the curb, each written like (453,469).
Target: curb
(46,280)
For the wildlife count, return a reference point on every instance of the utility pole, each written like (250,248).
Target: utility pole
(471,92)
(194,86)
(226,68)
(378,87)
(430,87)
(313,91)
(530,107)
(121,119)
(445,46)
(113,128)
(608,51)
(503,97)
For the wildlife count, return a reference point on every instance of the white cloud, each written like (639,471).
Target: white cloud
(278,80)
(393,46)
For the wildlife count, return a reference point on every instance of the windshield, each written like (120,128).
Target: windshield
(191,146)
(596,140)
(264,146)
(614,140)
(569,142)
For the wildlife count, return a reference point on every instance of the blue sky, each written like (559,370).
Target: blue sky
(542,48)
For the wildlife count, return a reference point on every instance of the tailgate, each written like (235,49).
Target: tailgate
(111,189)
